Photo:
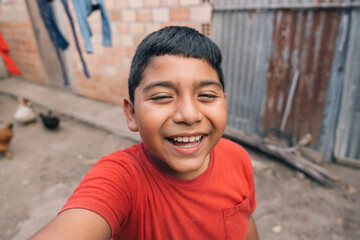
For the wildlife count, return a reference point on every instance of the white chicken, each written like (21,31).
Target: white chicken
(24,113)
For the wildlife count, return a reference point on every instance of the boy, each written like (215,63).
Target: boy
(183,181)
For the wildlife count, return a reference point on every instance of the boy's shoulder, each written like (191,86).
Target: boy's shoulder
(229,147)
(128,158)
(233,154)
(132,151)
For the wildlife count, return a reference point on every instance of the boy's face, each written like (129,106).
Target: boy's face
(180,113)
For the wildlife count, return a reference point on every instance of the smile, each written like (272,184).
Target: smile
(186,142)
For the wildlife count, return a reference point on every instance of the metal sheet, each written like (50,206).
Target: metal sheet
(228,5)
(335,88)
(348,129)
(303,41)
(244,40)
(264,47)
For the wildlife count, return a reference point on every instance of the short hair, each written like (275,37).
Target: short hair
(173,40)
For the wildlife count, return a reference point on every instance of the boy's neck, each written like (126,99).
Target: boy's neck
(180,175)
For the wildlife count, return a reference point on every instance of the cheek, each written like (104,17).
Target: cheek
(150,119)
(221,118)
(218,114)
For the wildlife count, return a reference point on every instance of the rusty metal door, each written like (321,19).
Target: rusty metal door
(303,41)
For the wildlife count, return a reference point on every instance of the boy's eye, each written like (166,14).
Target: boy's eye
(207,96)
(161,98)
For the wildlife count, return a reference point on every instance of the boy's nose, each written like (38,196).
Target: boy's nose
(187,112)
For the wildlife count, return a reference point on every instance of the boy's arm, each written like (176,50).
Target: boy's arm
(75,224)
(251,233)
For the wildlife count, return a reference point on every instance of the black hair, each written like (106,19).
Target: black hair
(173,40)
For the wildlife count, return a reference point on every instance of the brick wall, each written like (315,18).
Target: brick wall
(131,21)
(16,29)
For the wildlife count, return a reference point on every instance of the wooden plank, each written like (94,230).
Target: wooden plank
(350,162)
(311,154)
(290,156)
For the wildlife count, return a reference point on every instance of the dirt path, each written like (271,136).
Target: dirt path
(47,166)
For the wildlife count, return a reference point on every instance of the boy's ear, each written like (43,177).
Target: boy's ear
(130,115)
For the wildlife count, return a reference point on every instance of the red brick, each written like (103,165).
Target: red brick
(151,3)
(94,94)
(167,24)
(179,14)
(25,25)
(115,90)
(170,2)
(124,92)
(137,28)
(114,15)
(120,4)
(120,51)
(117,100)
(108,98)
(123,74)
(131,51)
(103,88)
(143,15)
(123,28)
(96,77)
(137,41)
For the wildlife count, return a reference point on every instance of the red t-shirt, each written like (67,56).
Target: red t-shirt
(139,201)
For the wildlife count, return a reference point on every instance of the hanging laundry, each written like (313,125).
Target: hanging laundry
(83,9)
(67,10)
(9,63)
(56,37)
(3,44)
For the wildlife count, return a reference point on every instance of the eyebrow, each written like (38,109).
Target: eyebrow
(210,82)
(169,84)
(166,84)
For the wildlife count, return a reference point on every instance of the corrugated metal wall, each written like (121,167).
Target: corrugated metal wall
(285,64)
(348,128)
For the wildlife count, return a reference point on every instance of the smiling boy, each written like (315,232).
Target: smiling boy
(184,181)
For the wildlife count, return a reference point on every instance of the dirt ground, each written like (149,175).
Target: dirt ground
(47,166)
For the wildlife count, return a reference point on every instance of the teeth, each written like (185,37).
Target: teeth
(191,145)
(188,139)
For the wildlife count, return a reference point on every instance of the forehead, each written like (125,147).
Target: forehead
(178,70)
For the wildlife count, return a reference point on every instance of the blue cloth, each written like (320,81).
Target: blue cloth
(56,36)
(83,9)
(66,7)
(59,38)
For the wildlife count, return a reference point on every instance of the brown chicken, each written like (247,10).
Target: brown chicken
(6,134)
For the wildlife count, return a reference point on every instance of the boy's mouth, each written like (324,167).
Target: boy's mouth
(186,142)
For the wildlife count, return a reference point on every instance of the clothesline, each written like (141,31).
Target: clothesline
(83,9)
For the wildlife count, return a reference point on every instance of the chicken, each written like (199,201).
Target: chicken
(49,120)
(24,113)
(6,134)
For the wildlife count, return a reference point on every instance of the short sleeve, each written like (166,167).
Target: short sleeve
(107,190)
